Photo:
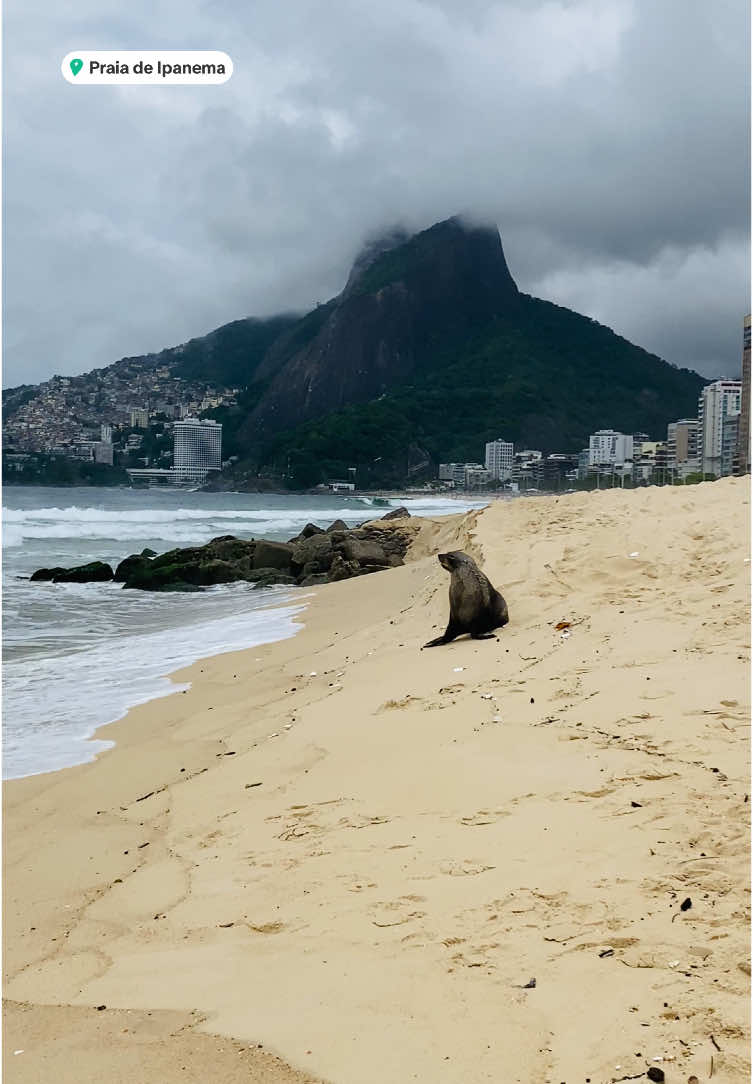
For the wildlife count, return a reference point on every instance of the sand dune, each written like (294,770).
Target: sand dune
(361,855)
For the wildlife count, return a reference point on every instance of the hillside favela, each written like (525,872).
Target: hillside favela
(298,395)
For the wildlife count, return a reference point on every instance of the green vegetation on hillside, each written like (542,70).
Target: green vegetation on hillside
(230,355)
(544,378)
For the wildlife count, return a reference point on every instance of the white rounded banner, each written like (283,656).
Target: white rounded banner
(129,68)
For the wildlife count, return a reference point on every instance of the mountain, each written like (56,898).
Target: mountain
(405,301)
(428,352)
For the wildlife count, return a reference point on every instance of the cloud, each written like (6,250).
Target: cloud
(607,138)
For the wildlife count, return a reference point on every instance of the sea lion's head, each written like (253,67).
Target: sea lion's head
(453,560)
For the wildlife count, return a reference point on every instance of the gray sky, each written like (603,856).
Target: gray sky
(607,138)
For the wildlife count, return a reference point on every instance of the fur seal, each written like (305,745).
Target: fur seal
(475,605)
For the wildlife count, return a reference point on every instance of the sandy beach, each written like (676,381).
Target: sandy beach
(339,858)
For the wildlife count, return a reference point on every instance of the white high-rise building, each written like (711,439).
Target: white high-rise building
(717,402)
(105,433)
(607,447)
(197,447)
(499,457)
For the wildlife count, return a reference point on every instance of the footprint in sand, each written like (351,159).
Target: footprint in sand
(484,816)
(464,868)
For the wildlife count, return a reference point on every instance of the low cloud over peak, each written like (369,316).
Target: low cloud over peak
(608,139)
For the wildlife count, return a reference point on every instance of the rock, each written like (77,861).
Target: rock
(228,548)
(275,577)
(314,580)
(148,553)
(314,554)
(338,525)
(93,572)
(260,573)
(46,573)
(129,565)
(397,513)
(179,576)
(273,555)
(342,570)
(363,551)
(310,530)
(686,904)
(655,1074)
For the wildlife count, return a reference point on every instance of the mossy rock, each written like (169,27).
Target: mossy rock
(46,574)
(129,565)
(93,572)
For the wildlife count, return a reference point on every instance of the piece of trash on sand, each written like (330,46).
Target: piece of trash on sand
(313,673)
(635,554)
(458,669)
(486,696)
(565,635)
(562,625)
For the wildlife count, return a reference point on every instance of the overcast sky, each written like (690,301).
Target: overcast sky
(608,139)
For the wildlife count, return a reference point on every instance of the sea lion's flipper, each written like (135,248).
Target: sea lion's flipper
(483,636)
(449,634)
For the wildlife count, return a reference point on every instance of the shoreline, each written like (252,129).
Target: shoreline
(329,839)
(88,745)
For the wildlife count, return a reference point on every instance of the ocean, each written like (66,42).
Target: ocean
(77,656)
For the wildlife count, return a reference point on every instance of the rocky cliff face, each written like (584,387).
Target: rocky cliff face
(403,298)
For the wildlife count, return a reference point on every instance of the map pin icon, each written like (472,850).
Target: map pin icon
(76,66)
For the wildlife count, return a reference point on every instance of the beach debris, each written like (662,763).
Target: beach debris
(565,635)
(458,669)
(100,1008)
(673,963)
(313,673)
(655,1074)
(18,1052)
(716,1044)
(487,696)
(142,845)
(693,1080)
(636,554)
(686,904)
(606,952)
(532,700)
(225,925)
(636,805)
(562,625)
(249,785)
(530,985)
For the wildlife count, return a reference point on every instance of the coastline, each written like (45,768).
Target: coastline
(328,840)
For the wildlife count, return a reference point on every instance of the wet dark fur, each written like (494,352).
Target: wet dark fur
(476,606)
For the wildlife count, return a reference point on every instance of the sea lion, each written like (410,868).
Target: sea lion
(475,605)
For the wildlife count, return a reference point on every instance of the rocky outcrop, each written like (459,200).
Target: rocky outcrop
(93,572)
(315,556)
(47,574)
